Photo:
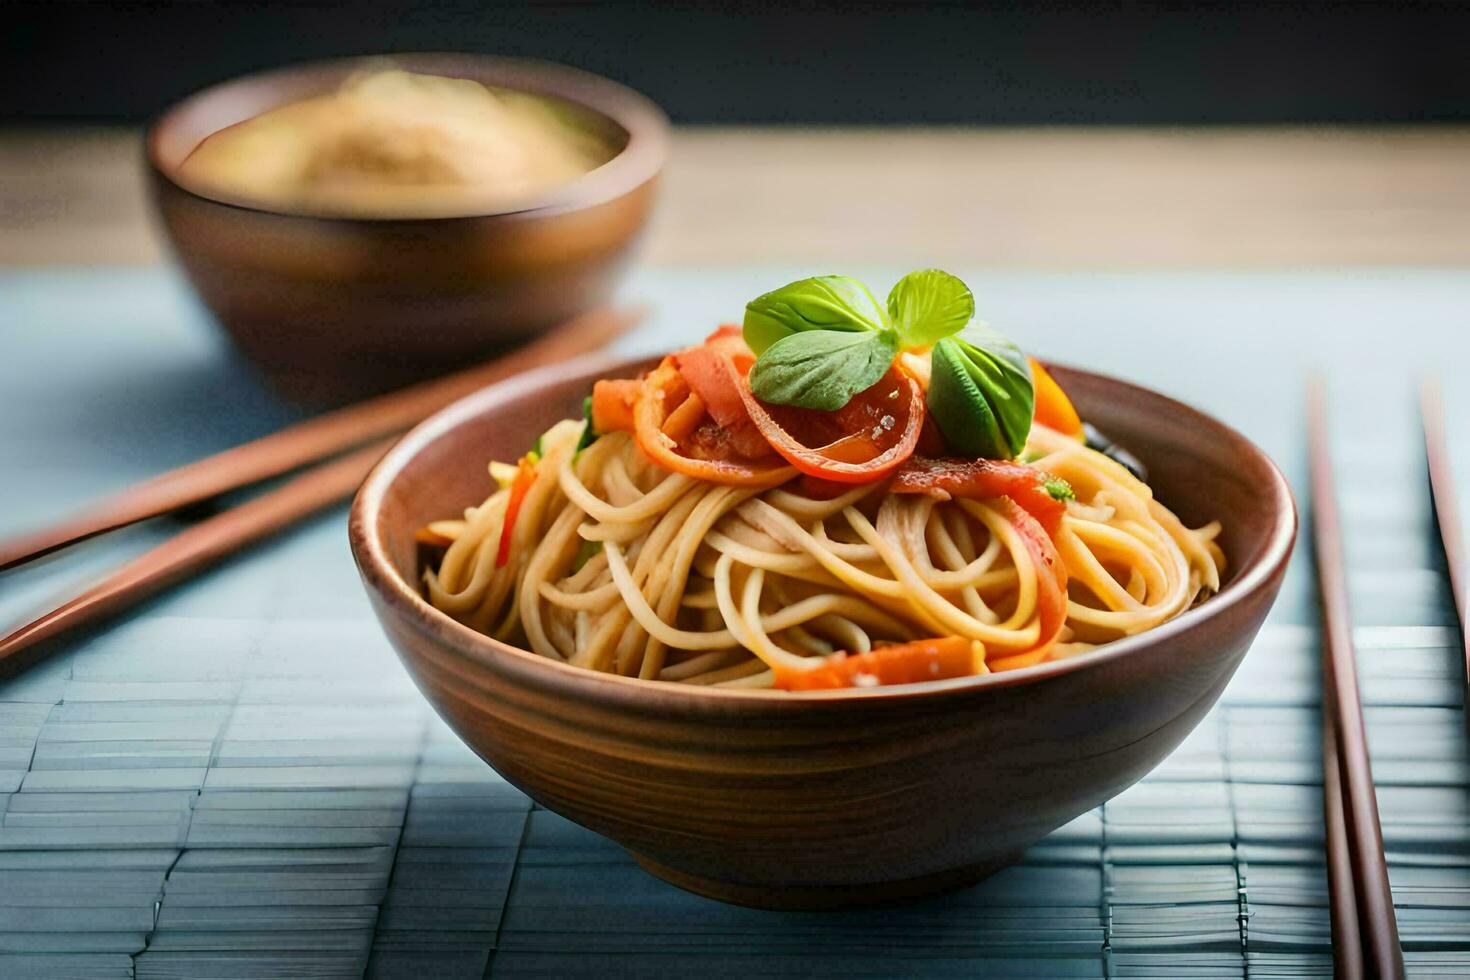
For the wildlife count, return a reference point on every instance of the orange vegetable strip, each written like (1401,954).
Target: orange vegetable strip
(904,663)
(1051,586)
(519,487)
(1053,408)
(612,404)
(682,420)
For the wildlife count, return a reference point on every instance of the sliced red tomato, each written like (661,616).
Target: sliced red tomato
(931,440)
(982,479)
(703,369)
(904,663)
(863,441)
(816,488)
(708,452)
(1051,587)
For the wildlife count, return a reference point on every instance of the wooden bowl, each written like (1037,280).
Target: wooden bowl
(822,799)
(333,308)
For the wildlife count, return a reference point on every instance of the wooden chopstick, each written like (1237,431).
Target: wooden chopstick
(1342,905)
(1447,512)
(197,547)
(1346,766)
(315,439)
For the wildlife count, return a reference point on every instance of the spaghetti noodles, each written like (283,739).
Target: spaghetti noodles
(624,567)
(679,545)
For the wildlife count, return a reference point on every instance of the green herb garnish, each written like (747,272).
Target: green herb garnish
(981,394)
(835,303)
(589,435)
(929,305)
(822,340)
(1059,489)
(822,369)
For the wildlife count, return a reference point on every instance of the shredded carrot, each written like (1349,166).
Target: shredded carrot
(903,663)
(519,487)
(1018,660)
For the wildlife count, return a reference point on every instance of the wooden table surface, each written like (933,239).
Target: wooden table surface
(1053,198)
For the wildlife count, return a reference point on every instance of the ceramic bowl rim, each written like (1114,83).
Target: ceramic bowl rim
(382,579)
(635,164)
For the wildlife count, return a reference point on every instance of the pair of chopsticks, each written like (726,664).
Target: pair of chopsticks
(351,440)
(1365,938)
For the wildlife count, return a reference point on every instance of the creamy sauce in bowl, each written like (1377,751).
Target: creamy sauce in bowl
(396,144)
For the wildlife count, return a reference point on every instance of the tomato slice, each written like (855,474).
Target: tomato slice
(982,479)
(703,369)
(708,452)
(904,663)
(1051,587)
(863,441)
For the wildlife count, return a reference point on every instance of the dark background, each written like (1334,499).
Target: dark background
(797,63)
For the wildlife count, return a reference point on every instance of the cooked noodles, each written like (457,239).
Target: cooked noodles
(837,494)
(621,566)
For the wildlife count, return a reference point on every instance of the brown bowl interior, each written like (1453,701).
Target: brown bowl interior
(333,308)
(735,794)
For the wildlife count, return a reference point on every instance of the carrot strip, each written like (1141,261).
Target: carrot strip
(904,663)
(612,404)
(519,487)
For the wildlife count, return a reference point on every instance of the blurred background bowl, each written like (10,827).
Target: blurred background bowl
(333,308)
(825,798)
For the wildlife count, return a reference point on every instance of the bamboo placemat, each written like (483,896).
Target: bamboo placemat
(239,780)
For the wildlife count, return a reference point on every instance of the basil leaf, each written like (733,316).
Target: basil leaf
(929,305)
(822,369)
(819,303)
(981,394)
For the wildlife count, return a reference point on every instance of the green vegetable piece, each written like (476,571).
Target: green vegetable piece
(832,303)
(1059,489)
(929,305)
(981,394)
(585,551)
(589,434)
(822,369)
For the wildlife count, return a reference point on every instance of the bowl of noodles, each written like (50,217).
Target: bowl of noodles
(846,604)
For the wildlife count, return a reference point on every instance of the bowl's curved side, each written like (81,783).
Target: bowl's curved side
(855,802)
(793,800)
(329,310)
